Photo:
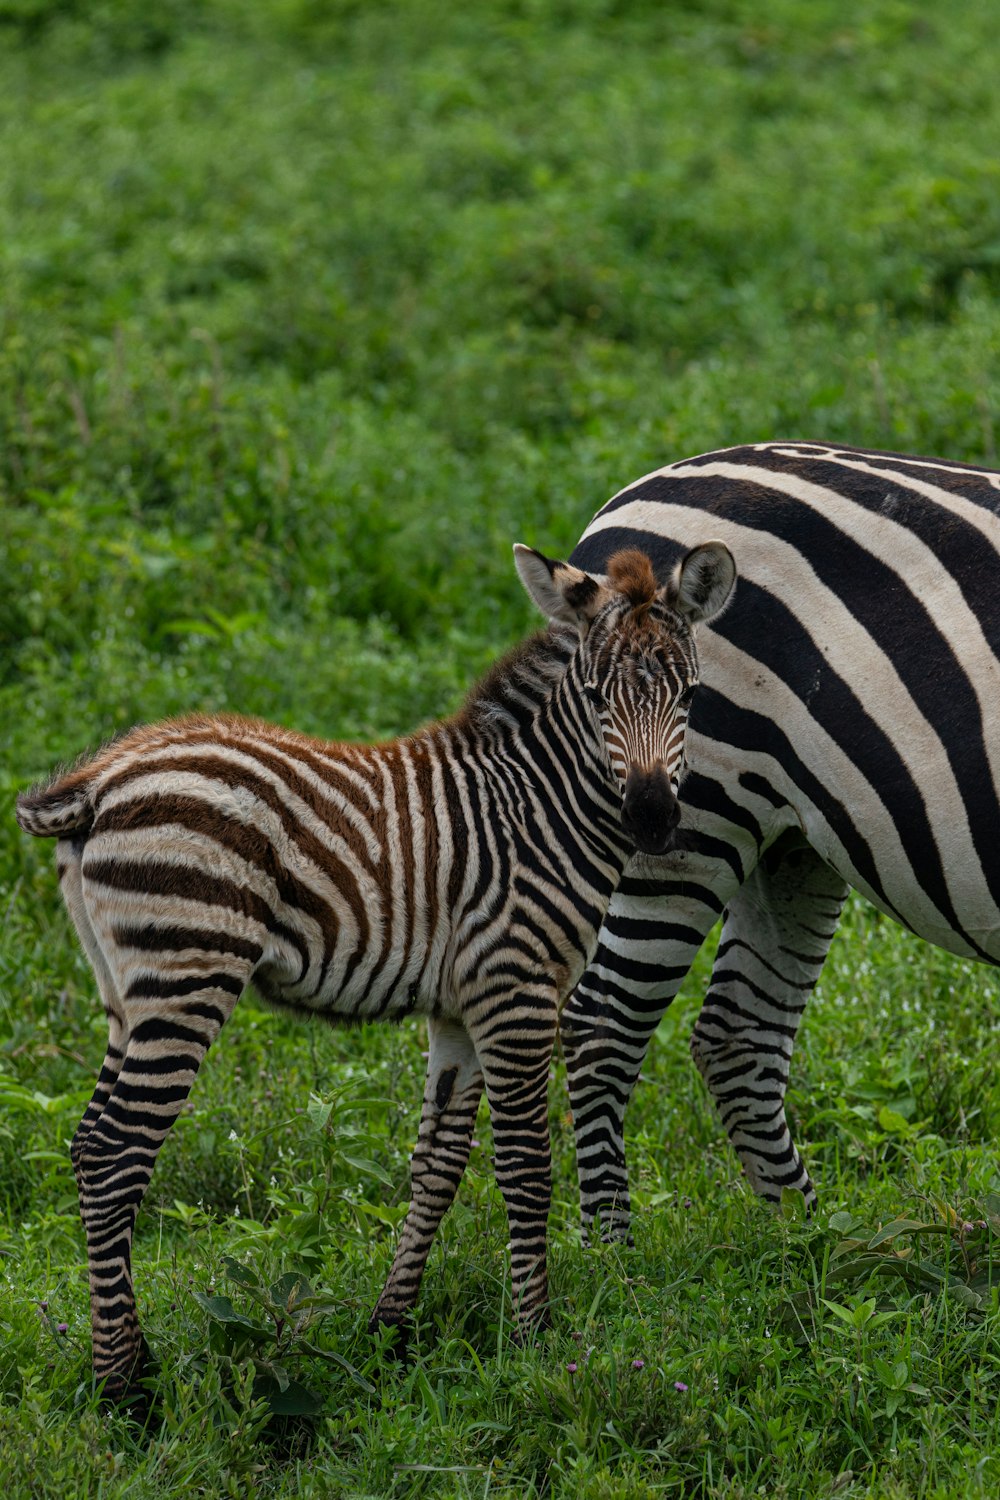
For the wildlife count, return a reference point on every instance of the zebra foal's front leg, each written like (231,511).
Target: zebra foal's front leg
(514,1044)
(651,933)
(451,1098)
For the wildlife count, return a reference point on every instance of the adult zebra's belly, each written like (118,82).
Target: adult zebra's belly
(970,927)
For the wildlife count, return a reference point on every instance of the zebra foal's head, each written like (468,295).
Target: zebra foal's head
(636,665)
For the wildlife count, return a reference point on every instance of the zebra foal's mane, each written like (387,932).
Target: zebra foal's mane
(515,685)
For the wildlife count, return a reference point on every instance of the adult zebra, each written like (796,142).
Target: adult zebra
(846,734)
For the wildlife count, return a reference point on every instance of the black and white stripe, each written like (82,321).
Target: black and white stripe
(846,734)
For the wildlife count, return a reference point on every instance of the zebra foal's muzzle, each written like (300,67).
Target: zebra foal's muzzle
(650,810)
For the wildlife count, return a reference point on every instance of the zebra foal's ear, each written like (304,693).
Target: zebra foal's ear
(703,582)
(561,591)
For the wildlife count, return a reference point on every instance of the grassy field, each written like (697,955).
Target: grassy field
(309,311)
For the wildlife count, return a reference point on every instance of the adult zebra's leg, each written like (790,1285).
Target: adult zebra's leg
(652,931)
(776,934)
(451,1098)
(114,1154)
(514,1041)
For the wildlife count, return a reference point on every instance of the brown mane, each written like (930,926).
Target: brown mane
(520,678)
(630,572)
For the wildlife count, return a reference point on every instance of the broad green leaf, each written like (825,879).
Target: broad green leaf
(893,1122)
(390,1216)
(345,1365)
(367,1168)
(897,1227)
(286,1290)
(965,1295)
(223,1311)
(844,1222)
(317,1304)
(793,1205)
(239,1273)
(294,1401)
(318,1112)
(847,1247)
(276,1372)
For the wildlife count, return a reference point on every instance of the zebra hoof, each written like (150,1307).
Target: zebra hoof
(608,1228)
(130,1393)
(614,1234)
(531,1328)
(397,1328)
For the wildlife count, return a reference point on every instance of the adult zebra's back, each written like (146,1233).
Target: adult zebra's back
(846,734)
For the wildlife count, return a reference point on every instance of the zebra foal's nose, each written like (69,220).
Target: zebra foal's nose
(650,810)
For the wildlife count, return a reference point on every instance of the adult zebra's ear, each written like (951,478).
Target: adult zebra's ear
(703,582)
(561,591)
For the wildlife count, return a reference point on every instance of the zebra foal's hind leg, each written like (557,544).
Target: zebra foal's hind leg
(68,868)
(775,937)
(451,1098)
(114,1151)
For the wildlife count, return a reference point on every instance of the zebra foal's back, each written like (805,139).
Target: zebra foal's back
(218,817)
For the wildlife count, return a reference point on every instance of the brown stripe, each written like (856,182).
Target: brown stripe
(400,840)
(357,757)
(424,776)
(172,939)
(320,804)
(156,878)
(456,817)
(251,845)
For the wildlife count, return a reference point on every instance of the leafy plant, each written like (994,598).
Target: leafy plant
(947,1253)
(278,1333)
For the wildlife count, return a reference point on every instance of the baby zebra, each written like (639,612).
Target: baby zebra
(462,872)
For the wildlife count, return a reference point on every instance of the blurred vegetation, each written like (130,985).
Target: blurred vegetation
(309,311)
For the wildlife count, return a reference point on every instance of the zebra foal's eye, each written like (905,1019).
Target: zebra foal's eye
(687,697)
(593,693)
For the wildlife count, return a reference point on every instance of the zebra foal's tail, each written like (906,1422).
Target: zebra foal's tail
(58,808)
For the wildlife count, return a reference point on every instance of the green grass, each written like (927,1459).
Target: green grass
(310,311)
